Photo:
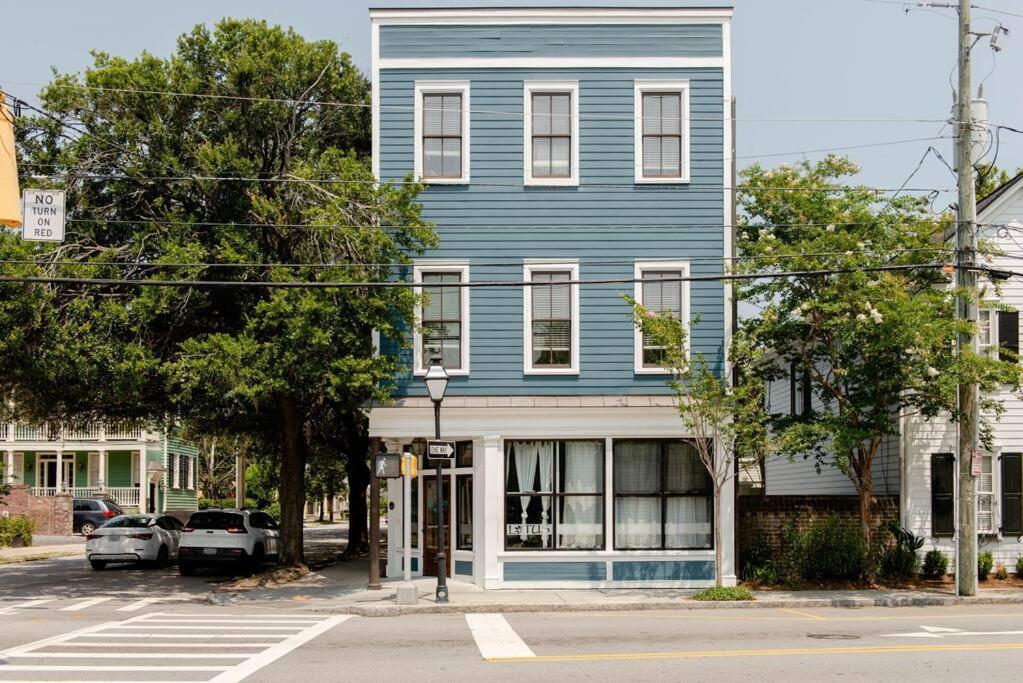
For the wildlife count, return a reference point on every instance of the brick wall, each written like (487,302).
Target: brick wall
(52,514)
(765,516)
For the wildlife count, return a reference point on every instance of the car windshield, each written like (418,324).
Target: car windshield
(216,520)
(128,521)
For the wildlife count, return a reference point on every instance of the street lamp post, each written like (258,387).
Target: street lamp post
(436,384)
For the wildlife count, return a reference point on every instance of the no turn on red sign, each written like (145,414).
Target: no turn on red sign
(43,215)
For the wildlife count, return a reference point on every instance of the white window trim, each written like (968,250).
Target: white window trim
(175,460)
(528,89)
(431,87)
(991,348)
(18,465)
(441,266)
(572,268)
(680,87)
(92,457)
(995,455)
(136,463)
(640,267)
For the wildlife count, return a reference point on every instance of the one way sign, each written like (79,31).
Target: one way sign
(440,451)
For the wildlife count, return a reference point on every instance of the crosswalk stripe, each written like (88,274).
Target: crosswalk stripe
(138,604)
(495,637)
(23,605)
(83,604)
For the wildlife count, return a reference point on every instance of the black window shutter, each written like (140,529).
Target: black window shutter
(1008,335)
(792,388)
(942,491)
(807,396)
(1012,494)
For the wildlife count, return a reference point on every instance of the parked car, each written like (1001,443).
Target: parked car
(89,513)
(134,538)
(213,537)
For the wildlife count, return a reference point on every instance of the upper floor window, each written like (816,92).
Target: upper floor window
(551,126)
(442,131)
(443,316)
(660,288)
(662,131)
(551,307)
(998,334)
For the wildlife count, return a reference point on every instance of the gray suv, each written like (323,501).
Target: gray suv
(89,513)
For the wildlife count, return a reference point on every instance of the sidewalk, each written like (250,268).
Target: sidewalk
(46,547)
(341,589)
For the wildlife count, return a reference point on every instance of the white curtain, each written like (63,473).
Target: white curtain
(525,468)
(688,523)
(638,522)
(580,524)
(545,458)
(637,518)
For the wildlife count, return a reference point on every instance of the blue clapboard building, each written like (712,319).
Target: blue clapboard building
(559,146)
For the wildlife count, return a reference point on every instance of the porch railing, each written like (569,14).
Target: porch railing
(125,496)
(92,432)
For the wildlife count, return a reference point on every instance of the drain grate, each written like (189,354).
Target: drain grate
(833,636)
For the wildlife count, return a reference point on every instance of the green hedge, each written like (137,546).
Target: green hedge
(16,530)
(226,503)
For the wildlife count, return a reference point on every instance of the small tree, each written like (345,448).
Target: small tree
(722,419)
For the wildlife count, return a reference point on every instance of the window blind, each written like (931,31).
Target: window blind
(662,135)
(552,135)
(552,319)
(442,320)
(442,135)
(660,296)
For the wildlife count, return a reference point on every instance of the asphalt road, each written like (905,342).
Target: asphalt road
(195,641)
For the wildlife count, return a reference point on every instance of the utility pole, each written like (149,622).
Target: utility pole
(966,249)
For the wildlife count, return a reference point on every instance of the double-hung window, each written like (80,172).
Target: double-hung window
(554,495)
(661,131)
(659,288)
(551,320)
(663,496)
(442,131)
(551,127)
(987,331)
(942,494)
(998,334)
(443,316)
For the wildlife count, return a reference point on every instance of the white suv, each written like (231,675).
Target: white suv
(213,537)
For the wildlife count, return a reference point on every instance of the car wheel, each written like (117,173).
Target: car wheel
(162,557)
(87,528)
(186,569)
(98,564)
(258,558)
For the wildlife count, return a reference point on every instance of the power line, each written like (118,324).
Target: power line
(399,284)
(403,107)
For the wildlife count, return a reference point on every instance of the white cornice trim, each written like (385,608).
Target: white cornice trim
(553,15)
(551,63)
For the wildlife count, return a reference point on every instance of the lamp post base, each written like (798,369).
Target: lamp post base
(442,595)
(407,594)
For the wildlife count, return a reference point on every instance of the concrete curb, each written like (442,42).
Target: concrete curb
(31,557)
(679,605)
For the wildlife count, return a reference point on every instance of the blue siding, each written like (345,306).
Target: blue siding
(700,570)
(463,567)
(510,222)
(555,571)
(546,40)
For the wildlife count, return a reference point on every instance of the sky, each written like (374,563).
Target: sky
(808,74)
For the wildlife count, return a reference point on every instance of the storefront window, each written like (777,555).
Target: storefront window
(463,454)
(415,512)
(554,495)
(463,487)
(663,496)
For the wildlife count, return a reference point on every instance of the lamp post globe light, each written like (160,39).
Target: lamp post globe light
(436,384)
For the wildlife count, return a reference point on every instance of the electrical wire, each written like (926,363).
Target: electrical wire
(400,284)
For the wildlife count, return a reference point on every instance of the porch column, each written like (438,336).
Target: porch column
(487,468)
(8,467)
(102,483)
(59,482)
(143,482)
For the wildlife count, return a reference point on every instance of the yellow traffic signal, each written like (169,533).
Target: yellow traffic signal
(10,201)
(409,465)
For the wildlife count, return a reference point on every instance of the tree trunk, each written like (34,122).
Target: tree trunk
(321,508)
(865,488)
(292,484)
(331,497)
(717,534)
(358,481)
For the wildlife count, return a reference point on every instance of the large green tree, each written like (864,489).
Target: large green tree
(258,169)
(875,346)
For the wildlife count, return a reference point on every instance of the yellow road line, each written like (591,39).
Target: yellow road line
(701,654)
(801,613)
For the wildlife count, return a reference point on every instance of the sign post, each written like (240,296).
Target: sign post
(43,212)
(407,591)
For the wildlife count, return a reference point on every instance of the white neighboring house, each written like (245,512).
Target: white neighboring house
(929,466)
(923,478)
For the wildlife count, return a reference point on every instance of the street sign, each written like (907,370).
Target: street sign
(440,451)
(43,215)
(387,466)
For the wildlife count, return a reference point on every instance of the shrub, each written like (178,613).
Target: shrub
(758,563)
(227,503)
(1019,566)
(829,550)
(16,530)
(985,561)
(1001,573)
(274,510)
(900,561)
(935,564)
(725,593)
